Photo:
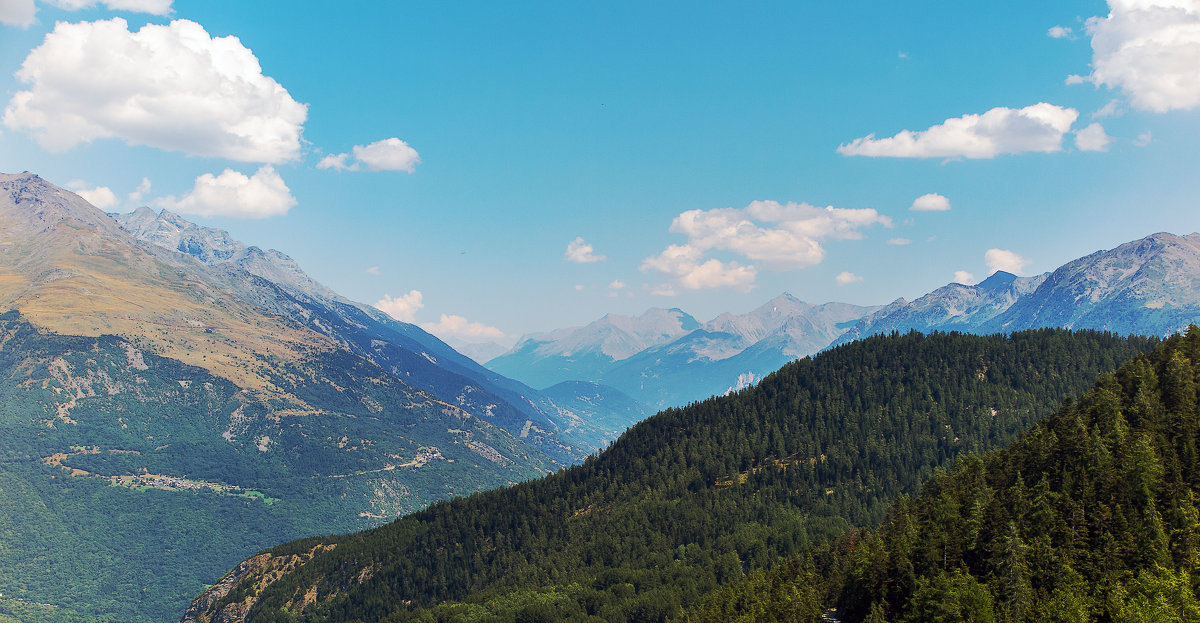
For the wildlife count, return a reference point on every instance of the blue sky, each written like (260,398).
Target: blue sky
(692,149)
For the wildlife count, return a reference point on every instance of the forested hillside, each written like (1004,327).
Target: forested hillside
(693,498)
(1090,516)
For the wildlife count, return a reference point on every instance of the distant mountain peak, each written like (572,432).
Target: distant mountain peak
(998,280)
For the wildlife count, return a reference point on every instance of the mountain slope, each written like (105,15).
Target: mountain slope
(68,267)
(215,400)
(1150,286)
(273,281)
(688,499)
(130,478)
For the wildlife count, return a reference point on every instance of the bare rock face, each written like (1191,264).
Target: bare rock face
(252,576)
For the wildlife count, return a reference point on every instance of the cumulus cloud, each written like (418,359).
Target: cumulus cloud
(846,278)
(1143,139)
(458,328)
(963,277)
(1005,260)
(169,87)
(581,252)
(1092,138)
(776,235)
(1148,49)
(101,196)
(235,195)
(1059,32)
(1037,128)
(403,308)
(931,202)
(17,12)
(372,270)
(616,284)
(390,154)
(685,264)
(899,241)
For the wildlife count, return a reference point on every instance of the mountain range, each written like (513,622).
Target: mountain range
(214,399)
(665,357)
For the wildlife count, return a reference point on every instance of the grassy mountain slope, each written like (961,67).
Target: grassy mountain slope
(69,268)
(690,499)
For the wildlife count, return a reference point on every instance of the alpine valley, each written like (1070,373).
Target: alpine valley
(176,402)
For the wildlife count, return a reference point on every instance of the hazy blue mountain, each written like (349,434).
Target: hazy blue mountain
(586,353)
(664,357)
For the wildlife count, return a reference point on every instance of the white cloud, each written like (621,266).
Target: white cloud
(101,196)
(963,277)
(616,284)
(1003,259)
(1148,49)
(169,87)
(233,194)
(153,7)
(581,252)
(1143,139)
(1092,138)
(846,278)
(899,241)
(931,202)
(1037,128)
(684,264)
(17,12)
(141,191)
(372,270)
(1059,32)
(403,308)
(779,236)
(337,161)
(578,287)
(458,328)
(1111,109)
(390,154)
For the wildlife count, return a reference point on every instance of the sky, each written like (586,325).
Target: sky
(489,170)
